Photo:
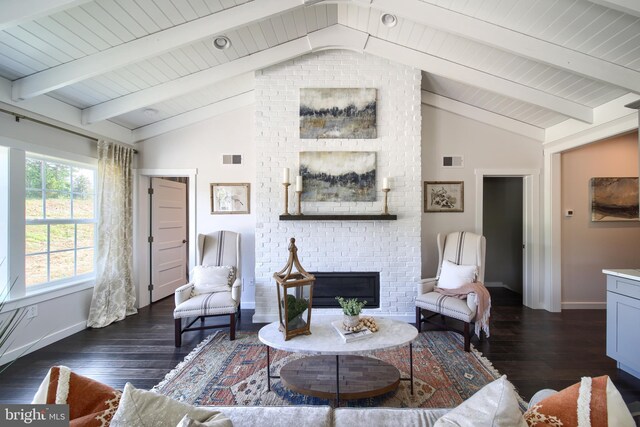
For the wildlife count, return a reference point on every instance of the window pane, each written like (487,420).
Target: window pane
(83,204)
(35,269)
(58,177)
(86,235)
(36,239)
(33,205)
(33,174)
(83,180)
(61,236)
(58,205)
(85,261)
(62,265)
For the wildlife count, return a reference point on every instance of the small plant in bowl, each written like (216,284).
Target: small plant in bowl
(351,309)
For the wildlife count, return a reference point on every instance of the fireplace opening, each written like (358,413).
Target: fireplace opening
(361,285)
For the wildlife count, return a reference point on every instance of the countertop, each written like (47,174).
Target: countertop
(627,273)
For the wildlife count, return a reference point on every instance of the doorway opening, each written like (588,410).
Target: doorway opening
(503,227)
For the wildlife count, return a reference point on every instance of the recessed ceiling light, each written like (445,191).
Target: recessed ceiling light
(150,112)
(389,20)
(221,43)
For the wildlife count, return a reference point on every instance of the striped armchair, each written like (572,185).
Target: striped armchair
(460,248)
(215,249)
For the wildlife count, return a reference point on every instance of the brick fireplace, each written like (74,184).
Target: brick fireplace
(391,248)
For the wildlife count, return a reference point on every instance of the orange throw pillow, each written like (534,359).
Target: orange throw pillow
(593,402)
(91,403)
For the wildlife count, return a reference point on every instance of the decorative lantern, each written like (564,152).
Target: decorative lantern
(295,293)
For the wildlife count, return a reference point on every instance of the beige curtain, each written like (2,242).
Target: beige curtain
(113,295)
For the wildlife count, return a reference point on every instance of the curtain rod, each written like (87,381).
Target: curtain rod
(31,119)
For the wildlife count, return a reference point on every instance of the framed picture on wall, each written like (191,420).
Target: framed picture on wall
(230,198)
(614,199)
(444,196)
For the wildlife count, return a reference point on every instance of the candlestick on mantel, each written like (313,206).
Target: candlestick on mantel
(285,176)
(298,183)
(299,212)
(386,205)
(286,198)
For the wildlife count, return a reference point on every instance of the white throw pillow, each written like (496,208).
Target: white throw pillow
(141,408)
(453,275)
(209,279)
(494,405)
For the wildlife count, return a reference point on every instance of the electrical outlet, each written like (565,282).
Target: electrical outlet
(32,311)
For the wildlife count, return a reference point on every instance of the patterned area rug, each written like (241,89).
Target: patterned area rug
(225,373)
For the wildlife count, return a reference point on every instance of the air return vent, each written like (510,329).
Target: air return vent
(452,162)
(231,159)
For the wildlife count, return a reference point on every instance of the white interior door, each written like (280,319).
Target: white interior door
(169,232)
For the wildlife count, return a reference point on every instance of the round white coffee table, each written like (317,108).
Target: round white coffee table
(336,370)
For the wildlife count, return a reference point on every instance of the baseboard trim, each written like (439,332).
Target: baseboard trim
(25,349)
(584,305)
(248,305)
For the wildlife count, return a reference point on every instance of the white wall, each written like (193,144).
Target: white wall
(588,247)
(201,146)
(483,147)
(390,247)
(63,312)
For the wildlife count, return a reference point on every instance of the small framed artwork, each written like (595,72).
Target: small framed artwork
(230,198)
(614,199)
(444,196)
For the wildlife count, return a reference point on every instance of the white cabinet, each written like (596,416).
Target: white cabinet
(623,319)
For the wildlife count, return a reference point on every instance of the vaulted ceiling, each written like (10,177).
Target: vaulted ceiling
(133,69)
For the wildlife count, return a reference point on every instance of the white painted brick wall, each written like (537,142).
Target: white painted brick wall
(390,247)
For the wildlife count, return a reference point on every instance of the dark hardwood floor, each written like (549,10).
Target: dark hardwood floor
(534,348)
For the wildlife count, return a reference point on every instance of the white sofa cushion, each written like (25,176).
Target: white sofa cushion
(383,417)
(494,405)
(449,306)
(141,408)
(294,416)
(453,275)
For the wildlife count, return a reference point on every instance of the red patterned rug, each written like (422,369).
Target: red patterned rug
(225,373)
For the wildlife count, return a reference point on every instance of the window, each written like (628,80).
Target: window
(60,220)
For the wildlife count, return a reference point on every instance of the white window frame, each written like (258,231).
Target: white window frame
(61,221)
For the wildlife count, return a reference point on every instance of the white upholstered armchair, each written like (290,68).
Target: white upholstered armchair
(215,287)
(458,250)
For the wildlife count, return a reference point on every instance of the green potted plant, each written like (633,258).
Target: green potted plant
(351,309)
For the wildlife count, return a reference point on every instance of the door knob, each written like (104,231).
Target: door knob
(184,241)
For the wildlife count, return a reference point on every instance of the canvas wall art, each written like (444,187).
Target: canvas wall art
(444,196)
(614,199)
(337,113)
(338,176)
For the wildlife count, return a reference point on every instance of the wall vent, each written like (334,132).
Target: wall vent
(231,159)
(452,162)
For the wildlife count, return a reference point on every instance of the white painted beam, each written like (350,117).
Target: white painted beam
(632,7)
(194,116)
(338,37)
(483,116)
(515,42)
(58,113)
(14,12)
(610,119)
(470,76)
(195,81)
(148,46)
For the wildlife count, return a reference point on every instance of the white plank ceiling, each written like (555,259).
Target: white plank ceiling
(113,59)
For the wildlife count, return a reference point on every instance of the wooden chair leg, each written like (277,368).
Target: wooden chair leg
(178,325)
(467,338)
(232,326)
(239,311)
(418,319)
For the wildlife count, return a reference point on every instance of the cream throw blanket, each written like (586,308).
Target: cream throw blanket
(484,302)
